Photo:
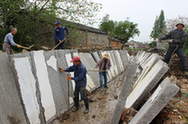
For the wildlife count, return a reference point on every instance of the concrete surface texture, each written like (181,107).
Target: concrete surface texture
(56,83)
(165,91)
(144,86)
(10,97)
(43,91)
(47,99)
(126,87)
(28,90)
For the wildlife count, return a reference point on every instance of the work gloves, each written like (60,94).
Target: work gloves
(170,41)
(61,69)
(18,46)
(69,77)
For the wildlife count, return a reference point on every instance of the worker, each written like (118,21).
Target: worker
(104,64)
(177,39)
(59,34)
(8,41)
(80,79)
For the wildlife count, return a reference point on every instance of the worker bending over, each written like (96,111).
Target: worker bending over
(80,79)
(8,41)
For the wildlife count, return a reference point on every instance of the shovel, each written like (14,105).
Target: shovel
(59,43)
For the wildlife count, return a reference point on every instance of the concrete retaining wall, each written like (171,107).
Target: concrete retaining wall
(33,90)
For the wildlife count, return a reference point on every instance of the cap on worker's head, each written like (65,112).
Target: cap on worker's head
(76,58)
(106,56)
(180,23)
(57,22)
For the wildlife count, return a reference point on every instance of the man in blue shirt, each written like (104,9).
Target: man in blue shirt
(80,79)
(59,34)
(8,41)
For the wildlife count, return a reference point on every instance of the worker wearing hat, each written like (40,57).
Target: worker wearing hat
(59,34)
(80,79)
(177,39)
(104,64)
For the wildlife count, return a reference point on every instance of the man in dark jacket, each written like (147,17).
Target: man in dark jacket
(59,34)
(103,64)
(177,39)
(80,79)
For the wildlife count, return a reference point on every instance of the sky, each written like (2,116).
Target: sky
(142,12)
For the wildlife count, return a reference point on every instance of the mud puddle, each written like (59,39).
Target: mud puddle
(101,106)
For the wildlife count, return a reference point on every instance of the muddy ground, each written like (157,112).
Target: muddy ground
(102,103)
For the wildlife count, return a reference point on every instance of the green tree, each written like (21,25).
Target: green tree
(125,30)
(107,25)
(35,19)
(159,28)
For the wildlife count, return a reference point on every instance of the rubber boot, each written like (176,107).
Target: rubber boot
(87,107)
(76,104)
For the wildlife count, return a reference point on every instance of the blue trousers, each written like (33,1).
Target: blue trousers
(180,54)
(101,75)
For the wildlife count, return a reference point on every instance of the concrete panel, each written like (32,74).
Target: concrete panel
(159,99)
(65,84)
(28,90)
(10,98)
(89,62)
(56,82)
(117,72)
(47,99)
(119,61)
(124,58)
(144,86)
(95,56)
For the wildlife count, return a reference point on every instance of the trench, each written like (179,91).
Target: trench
(101,106)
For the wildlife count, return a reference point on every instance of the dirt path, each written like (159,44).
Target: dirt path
(102,104)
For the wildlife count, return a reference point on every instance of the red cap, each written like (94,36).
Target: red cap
(76,58)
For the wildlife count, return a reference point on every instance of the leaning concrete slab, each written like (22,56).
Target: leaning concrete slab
(119,60)
(47,99)
(27,83)
(159,99)
(144,86)
(90,84)
(117,71)
(56,82)
(10,98)
(96,56)
(124,93)
(89,62)
(124,58)
(65,85)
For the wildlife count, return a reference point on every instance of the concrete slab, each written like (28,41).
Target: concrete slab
(47,99)
(27,85)
(124,58)
(151,59)
(67,86)
(159,99)
(117,71)
(95,56)
(126,87)
(56,82)
(10,97)
(144,86)
(89,62)
(119,60)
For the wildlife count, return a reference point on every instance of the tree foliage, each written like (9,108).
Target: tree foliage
(122,30)
(159,28)
(35,19)
(125,30)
